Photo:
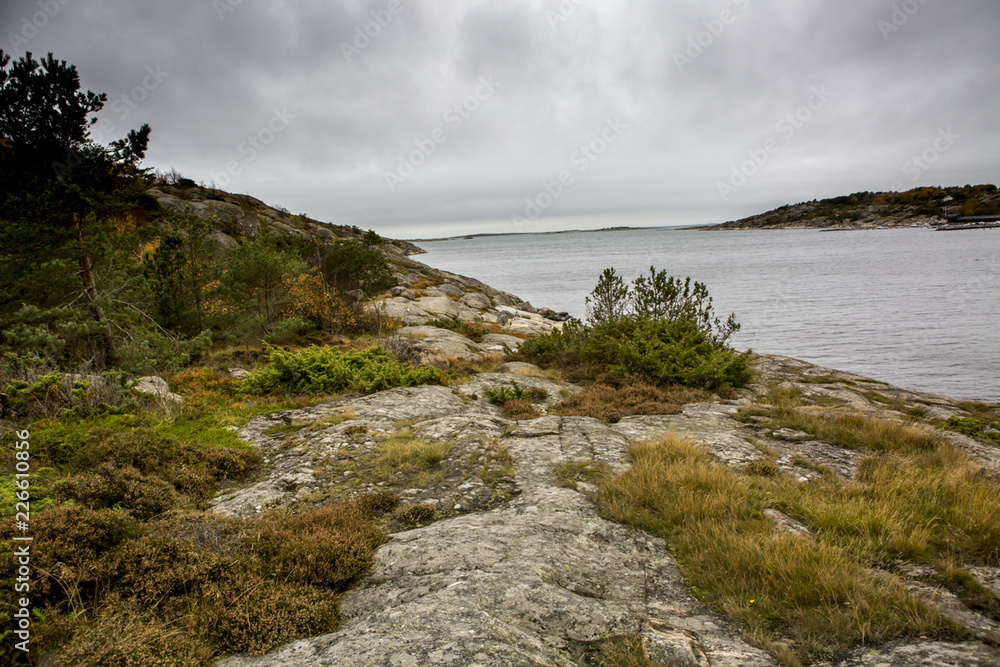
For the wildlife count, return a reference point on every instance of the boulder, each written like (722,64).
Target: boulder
(496,342)
(221,240)
(402,292)
(506,299)
(156,387)
(476,301)
(438,346)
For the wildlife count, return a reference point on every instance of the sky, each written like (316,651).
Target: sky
(444,118)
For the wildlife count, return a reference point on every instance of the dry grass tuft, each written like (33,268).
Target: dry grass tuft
(819,595)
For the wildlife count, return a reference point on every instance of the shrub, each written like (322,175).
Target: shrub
(416,515)
(353,264)
(657,297)
(520,410)
(324,370)
(183,590)
(288,330)
(328,547)
(502,395)
(116,640)
(662,329)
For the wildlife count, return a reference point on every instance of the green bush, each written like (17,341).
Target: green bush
(668,352)
(325,370)
(503,395)
(661,328)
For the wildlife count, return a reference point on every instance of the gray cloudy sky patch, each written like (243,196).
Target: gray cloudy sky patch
(564,68)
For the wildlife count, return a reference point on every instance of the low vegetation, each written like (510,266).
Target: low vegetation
(326,370)
(613,398)
(916,499)
(987,429)
(182,589)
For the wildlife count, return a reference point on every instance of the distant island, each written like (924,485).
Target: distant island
(938,207)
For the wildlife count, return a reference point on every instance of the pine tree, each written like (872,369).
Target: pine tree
(58,193)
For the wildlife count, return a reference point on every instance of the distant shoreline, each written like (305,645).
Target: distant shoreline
(458,237)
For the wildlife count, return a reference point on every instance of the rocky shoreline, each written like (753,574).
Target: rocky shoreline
(517,569)
(495,560)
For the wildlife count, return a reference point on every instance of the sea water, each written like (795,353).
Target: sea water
(912,307)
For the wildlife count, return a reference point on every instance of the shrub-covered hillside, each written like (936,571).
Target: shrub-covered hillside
(920,206)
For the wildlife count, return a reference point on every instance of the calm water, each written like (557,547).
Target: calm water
(912,307)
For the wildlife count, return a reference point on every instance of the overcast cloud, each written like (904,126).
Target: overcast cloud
(644,108)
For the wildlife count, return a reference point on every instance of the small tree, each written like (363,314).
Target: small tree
(257,277)
(353,264)
(609,301)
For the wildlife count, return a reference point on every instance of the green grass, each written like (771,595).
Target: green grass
(978,428)
(568,474)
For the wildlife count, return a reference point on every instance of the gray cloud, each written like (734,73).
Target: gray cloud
(564,68)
